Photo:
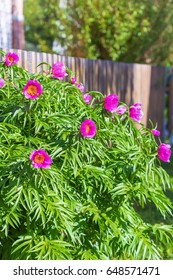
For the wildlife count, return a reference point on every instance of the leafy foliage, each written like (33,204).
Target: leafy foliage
(37,33)
(129,31)
(85,205)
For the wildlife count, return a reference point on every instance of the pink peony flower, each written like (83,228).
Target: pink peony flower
(88,128)
(111,102)
(40,159)
(135,112)
(73,80)
(121,110)
(11,58)
(2,82)
(80,86)
(58,70)
(32,89)
(164,152)
(155,132)
(87,98)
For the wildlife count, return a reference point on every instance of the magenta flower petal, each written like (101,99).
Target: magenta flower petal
(73,80)
(121,110)
(58,71)
(164,152)
(32,89)
(80,86)
(88,128)
(87,98)
(155,132)
(111,102)
(2,82)
(40,159)
(135,112)
(11,58)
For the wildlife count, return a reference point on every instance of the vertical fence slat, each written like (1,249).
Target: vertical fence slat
(145,90)
(170,107)
(99,75)
(156,102)
(136,96)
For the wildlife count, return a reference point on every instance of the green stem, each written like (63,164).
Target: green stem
(12,73)
(29,120)
(8,92)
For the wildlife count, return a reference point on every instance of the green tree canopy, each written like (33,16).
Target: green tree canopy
(41,26)
(129,31)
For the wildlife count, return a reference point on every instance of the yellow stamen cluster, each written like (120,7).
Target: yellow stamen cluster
(39,158)
(32,90)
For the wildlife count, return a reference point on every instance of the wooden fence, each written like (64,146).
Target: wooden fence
(134,83)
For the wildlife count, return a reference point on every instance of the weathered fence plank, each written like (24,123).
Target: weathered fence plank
(170,108)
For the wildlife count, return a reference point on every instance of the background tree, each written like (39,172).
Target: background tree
(41,28)
(119,30)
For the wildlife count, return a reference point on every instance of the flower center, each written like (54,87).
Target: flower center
(10,58)
(87,128)
(32,90)
(39,158)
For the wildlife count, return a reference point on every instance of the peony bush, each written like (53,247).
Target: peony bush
(74,170)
